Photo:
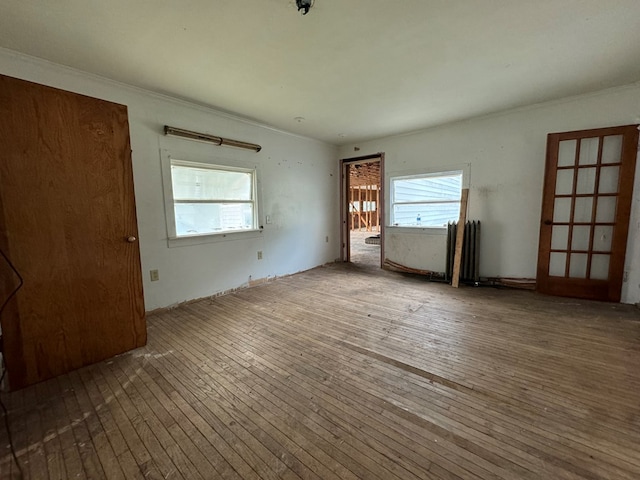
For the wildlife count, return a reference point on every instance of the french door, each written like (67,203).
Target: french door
(586,203)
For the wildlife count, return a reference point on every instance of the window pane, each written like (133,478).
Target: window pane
(586,180)
(567,153)
(562,210)
(602,238)
(589,151)
(606,212)
(578,265)
(559,237)
(564,182)
(609,180)
(365,207)
(425,214)
(193,183)
(204,218)
(427,189)
(557,264)
(612,149)
(583,210)
(599,267)
(580,238)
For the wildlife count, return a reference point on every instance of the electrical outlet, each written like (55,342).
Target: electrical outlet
(155,275)
(268,219)
(259,254)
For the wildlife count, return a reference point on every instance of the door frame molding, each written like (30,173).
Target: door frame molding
(345,251)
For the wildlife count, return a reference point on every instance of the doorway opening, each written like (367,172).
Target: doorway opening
(362,210)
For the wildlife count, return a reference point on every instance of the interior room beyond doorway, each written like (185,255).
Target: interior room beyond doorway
(364,211)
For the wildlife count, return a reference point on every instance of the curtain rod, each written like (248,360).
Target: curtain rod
(205,137)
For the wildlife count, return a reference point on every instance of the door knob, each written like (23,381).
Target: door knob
(131,239)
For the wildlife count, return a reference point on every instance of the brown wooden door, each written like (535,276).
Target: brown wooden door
(68,223)
(585,212)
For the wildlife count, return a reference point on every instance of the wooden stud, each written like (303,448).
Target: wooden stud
(359,209)
(378,207)
(368,208)
(457,259)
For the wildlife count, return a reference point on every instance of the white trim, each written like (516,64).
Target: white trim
(417,230)
(169,157)
(207,165)
(450,173)
(190,240)
(465,168)
(431,172)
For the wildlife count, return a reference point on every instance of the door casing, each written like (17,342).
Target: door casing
(345,253)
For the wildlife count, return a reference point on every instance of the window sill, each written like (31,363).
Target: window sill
(417,230)
(189,240)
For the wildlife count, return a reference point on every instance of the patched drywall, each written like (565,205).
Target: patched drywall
(416,248)
(506,153)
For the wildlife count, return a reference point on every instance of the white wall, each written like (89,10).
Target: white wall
(507,154)
(298,187)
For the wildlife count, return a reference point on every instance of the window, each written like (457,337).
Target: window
(210,199)
(427,201)
(366,206)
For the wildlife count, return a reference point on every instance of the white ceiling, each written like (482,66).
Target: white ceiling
(354,69)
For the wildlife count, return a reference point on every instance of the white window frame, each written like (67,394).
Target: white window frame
(462,171)
(169,159)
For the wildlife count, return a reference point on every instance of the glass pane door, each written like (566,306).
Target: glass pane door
(586,204)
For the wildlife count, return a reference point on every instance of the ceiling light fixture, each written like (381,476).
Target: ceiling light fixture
(304,6)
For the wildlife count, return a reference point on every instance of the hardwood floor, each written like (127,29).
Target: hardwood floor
(337,373)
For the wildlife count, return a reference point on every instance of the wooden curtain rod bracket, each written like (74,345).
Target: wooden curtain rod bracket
(205,137)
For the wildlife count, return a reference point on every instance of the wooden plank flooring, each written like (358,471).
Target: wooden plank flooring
(338,373)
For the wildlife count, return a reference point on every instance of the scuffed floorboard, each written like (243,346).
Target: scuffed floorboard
(348,372)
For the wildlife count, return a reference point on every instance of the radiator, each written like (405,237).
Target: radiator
(470,265)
